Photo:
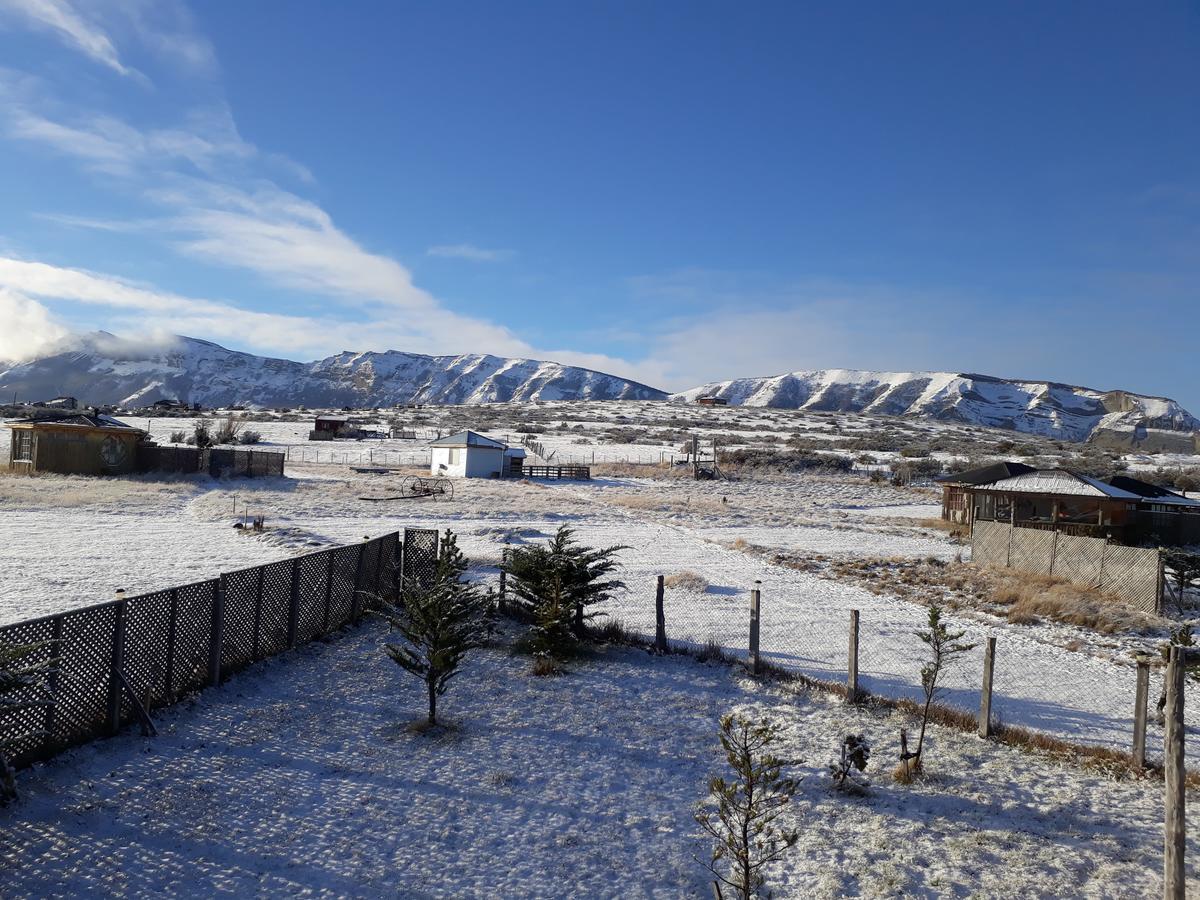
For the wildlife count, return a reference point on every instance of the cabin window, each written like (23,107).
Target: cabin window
(22,445)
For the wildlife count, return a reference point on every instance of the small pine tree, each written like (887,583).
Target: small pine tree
(22,686)
(945,646)
(556,583)
(847,770)
(740,815)
(201,434)
(440,622)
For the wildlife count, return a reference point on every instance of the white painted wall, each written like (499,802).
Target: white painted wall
(466,462)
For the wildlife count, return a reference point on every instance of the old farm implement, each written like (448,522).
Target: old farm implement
(413,487)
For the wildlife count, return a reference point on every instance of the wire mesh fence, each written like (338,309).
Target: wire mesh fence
(1071,696)
(113,661)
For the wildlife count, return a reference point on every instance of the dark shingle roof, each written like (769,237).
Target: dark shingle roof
(91,420)
(987,474)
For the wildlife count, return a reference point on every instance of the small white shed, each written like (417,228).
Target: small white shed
(469,455)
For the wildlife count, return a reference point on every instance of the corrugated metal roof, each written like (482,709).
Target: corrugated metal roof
(1058,481)
(89,420)
(986,474)
(467,439)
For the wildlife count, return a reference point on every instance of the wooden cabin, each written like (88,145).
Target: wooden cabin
(74,444)
(956,505)
(712,401)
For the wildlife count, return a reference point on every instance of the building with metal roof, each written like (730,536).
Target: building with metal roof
(468,454)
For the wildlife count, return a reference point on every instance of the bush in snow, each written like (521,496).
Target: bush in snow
(249,437)
(555,583)
(228,431)
(178,437)
(740,814)
(440,623)
(22,686)
(945,646)
(201,435)
(847,770)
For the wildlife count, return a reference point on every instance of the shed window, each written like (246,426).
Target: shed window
(455,456)
(22,445)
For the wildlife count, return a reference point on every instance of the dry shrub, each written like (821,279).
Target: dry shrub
(687,580)
(640,470)
(545,666)
(1033,597)
(954,529)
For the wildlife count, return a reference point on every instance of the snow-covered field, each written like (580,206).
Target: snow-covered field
(73,541)
(299,777)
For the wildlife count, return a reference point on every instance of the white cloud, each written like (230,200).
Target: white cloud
(468,252)
(62,19)
(27,328)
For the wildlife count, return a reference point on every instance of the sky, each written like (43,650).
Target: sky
(674,192)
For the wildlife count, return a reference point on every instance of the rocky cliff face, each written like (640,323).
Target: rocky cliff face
(1066,412)
(106,371)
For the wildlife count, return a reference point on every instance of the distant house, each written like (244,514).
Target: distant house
(60,403)
(74,444)
(326,428)
(472,455)
(1124,510)
(712,401)
(955,505)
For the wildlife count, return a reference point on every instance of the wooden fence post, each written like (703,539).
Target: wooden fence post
(1173,834)
(328,590)
(172,632)
(56,636)
(356,605)
(294,605)
(257,612)
(1141,696)
(852,660)
(216,638)
(755,612)
(985,699)
(660,618)
(116,664)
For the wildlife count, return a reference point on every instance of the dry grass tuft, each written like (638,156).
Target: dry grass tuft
(640,470)
(1033,597)
(545,667)
(687,580)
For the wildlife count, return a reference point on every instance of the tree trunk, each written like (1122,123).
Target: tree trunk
(432,703)
(8,782)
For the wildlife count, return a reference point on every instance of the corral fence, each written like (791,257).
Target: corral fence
(114,662)
(1135,574)
(371,457)
(577,473)
(216,461)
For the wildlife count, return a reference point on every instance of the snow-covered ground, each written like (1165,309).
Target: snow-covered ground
(299,777)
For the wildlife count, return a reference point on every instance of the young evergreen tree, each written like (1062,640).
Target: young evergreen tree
(945,646)
(740,814)
(556,583)
(22,686)
(440,622)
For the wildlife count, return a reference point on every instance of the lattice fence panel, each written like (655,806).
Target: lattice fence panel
(341,596)
(24,731)
(989,544)
(314,578)
(276,605)
(1031,550)
(368,567)
(84,669)
(1132,573)
(147,635)
(1079,558)
(420,554)
(193,637)
(389,562)
(241,618)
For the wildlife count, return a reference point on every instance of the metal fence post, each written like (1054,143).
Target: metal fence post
(660,617)
(1173,833)
(985,699)
(116,664)
(755,612)
(294,605)
(852,660)
(216,638)
(1140,702)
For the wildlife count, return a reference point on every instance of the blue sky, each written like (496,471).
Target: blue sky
(676,192)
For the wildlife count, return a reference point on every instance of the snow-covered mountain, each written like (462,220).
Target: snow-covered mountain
(1118,418)
(105,370)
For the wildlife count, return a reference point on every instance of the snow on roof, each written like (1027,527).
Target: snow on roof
(1058,481)
(467,439)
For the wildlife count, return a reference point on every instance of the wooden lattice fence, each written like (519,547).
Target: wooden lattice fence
(155,648)
(1132,573)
